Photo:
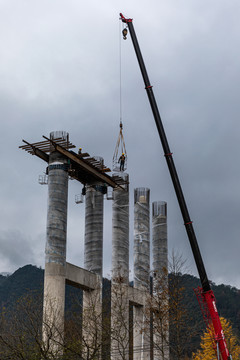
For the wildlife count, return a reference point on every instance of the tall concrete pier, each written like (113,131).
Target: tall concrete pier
(160,280)
(141,331)
(93,250)
(55,253)
(93,261)
(141,238)
(159,236)
(120,233)
(120,273)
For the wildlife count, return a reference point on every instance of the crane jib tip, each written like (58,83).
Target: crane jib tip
(124,19)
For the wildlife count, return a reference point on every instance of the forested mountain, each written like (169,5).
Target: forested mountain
(228,304)
(30,279)
(2,278)
(23,280)
(227,299)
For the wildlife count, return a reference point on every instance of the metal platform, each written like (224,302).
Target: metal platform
(82,167)
(43,179)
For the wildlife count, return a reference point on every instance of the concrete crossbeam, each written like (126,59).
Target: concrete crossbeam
(136,296)
(81,278)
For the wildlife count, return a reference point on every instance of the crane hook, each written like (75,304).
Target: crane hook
(124,32)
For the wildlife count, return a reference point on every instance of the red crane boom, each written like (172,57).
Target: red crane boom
(206,292)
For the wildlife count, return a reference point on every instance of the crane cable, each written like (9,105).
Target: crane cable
(120,72)
(120,140)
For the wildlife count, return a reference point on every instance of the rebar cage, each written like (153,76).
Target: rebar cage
(141,195)
(159,208)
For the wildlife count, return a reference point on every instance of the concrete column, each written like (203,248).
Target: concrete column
(93,261)
(55,253)
(120,274)
(159,236)
(93,251)
(141,331)
(141,238)
(120,234)
(160,280)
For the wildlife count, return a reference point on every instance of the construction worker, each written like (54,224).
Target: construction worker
(79,151)
(122,162)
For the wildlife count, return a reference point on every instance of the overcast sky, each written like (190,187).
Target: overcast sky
(59,70)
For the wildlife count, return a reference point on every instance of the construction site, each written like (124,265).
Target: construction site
(62,163)
(134,311)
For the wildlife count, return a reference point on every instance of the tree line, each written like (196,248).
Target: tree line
(89,332)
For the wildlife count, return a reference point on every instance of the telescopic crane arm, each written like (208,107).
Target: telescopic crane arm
(207,292)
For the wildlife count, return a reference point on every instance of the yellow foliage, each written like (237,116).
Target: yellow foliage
(208,353)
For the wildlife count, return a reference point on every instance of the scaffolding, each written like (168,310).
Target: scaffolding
(81,167)
(79,199)
(43,179)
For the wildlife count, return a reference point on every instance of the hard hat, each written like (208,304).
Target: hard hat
(122,153)
(80,148)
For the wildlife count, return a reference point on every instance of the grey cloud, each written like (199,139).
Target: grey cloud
(16,250)
(59,70)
